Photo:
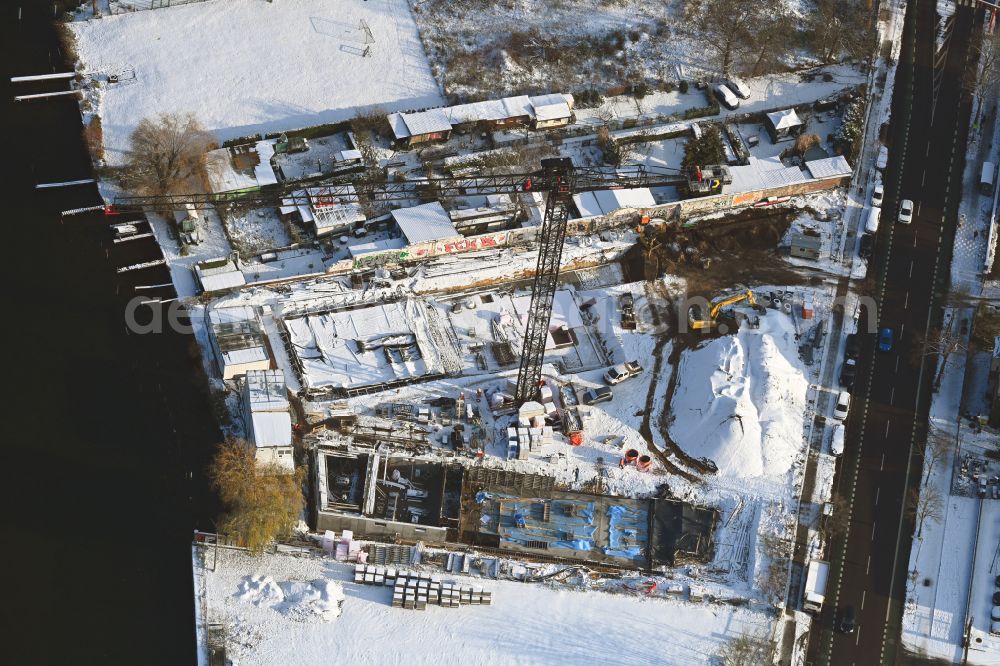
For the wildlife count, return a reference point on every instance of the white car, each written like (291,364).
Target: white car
(883,158)
(843,405)
(837,440)
(738,87)
(905,211)
(877,195)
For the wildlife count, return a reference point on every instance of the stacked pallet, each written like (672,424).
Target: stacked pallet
(415,590)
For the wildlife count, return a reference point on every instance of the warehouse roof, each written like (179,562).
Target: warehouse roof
(426,222)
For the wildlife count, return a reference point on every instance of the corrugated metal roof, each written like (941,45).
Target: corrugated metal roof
(829,167)
(552,111)
(801,240)
(426,222)
(427,122)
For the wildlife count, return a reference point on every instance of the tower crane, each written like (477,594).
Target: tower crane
(558,177)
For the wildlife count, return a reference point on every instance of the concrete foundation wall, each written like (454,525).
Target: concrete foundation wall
(373,528)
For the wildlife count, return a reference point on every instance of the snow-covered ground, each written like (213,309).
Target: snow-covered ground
(245,66)
(269,606)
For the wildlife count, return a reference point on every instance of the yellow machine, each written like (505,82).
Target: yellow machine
(697,324)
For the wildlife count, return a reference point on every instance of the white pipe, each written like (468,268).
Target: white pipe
(67,183)
(42,77)
(22,98)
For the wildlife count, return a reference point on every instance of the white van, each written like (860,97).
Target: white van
(726,97)
(986,178)
(837,440)
(843,405)
(739,88)
(871,219)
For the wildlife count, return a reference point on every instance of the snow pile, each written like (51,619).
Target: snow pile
(320,599)
(245,66)
(742,400)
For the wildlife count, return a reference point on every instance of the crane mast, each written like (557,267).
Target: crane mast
(557,180)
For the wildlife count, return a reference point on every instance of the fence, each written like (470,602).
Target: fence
(126,6)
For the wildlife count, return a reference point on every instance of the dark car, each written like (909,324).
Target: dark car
(885,340)
(867,245)
(853,347)
(596,395)
(996,598)
(998,581)
(846,625)
(848,372)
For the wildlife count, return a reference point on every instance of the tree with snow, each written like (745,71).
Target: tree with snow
(704,150)
(167,155)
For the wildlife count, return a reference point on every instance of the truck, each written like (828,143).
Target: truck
(815,592)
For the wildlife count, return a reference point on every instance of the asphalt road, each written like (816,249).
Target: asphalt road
(887,422)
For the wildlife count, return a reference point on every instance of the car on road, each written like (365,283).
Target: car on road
(843,406)
(853,346)
(837,440)
(597,395)
(878,194)
(882,159)
(905,211)
(848,372)
(885,339)
(739,88)
(847,622)
(867,246)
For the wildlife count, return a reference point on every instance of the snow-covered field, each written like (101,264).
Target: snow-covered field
(247,66)
(528,623)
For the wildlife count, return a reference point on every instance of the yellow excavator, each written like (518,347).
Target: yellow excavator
(694,313)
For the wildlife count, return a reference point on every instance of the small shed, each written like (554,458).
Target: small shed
(238,340)
(784,125)
(805,246)
(268,421)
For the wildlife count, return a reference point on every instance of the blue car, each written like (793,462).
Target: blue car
(885,340)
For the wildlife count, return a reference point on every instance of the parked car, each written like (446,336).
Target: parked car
(619,373)
(905,211)
(847,622)
(843,405)
(867,246)
(739,88)
(878,194)
(882,159)
(871,220)
(726,97)
(597,395)
(837,440)
(885,339)
(848,372)
(996,598)
(995,613)
(853,346)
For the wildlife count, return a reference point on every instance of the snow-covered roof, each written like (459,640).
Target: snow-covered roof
(351,155)
(217,278)
(238,334)
(271,429)
(552,111)
(427,122)
(265,390)
(605,202)
(263,171)
(996,347)
(398,125)
(762,174)
(327,218)
(376,246)
(517,106)
(829,167)
(476,111)
(224,177)
(232,315)
(554,98)
(426,222)
(784,119)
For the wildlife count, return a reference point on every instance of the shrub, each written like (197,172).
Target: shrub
(93,136)
(683,87)
(640,90)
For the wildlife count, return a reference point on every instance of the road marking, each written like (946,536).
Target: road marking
(882,465)
(877,491)
(857,630)
(906,301)
(873,531)
(914,239)
(923,179)
(886,431)
(869,565)
(892,394)
(897,362)
(902,327)
(928,151)
(911,260)
(918,209)
(863,599)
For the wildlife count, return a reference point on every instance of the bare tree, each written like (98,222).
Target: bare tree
(939,443)
(925,504)
(167,155)
(941,342)
(836,28)
(984,48)
(262,502)
(747,649)
(730,28)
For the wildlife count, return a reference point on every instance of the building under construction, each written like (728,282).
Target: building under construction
(380,496)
